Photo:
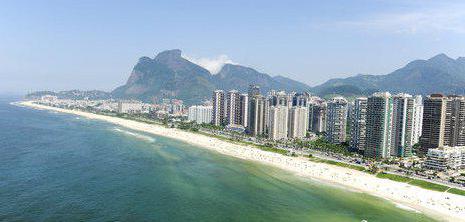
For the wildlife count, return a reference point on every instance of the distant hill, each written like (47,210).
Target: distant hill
(437,74)
(169,75)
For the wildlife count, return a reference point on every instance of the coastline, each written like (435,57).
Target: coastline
(438,205)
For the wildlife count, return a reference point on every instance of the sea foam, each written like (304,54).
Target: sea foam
(137,135)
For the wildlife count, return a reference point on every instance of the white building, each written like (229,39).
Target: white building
(130,107)
(298,122)
(445,158)
(406,124)
(417,119)
(200,114)
(278,117)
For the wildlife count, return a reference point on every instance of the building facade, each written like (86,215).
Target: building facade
(403,118)
(298,122)
(257,111)
(278,126)
(378,126)
(317,117)
(443,122)
(218,111)
(445,158)
(200,114)
(358,124)
(336,120)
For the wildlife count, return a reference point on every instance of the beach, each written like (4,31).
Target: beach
(439,205)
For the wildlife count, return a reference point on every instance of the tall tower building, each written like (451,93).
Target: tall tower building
(257,111)
(378,126)
(253,91)
(232,107)
(443,122)
(236,111)
(218,111)
(417,119)
(278,126)
(244,110)
(317,117)
(298,121)
(336,120)
(403,125)
(358,124)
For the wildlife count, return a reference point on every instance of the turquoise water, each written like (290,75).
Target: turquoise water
(59,167)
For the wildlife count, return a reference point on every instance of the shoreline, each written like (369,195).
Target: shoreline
(438,205)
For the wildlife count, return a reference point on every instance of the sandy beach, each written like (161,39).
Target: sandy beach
(439,205)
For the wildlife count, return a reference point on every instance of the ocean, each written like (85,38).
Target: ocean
(61,167)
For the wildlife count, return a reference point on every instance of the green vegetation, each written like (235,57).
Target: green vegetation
(456,191)
(394,177)
(416,182)
(429,185)
(325,146)
(332,162)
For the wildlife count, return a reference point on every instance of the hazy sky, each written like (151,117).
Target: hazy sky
(94,44)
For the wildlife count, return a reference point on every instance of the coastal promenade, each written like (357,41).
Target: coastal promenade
(439,205)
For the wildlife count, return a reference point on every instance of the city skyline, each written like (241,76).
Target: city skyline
(96,44)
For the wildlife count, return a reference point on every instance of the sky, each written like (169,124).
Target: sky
(60,45)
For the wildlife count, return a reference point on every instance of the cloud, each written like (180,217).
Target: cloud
(431,20)
(213,65)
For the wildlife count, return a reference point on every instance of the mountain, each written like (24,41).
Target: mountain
(169,75)
(437,74)
(240,77)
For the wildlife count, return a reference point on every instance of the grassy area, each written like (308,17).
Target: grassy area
(456,191)
(332,162)
(429,185)
(419,183)
(394,177)
(270,149)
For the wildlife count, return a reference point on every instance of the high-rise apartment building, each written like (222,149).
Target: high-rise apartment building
(257,111)
(378,126)
(358,124)
(443,122)
(298,121)
(317,117)
(278,122)
(336,120)
(252,92)
(417,119)
(218,111)
(403,125)
(236,108)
